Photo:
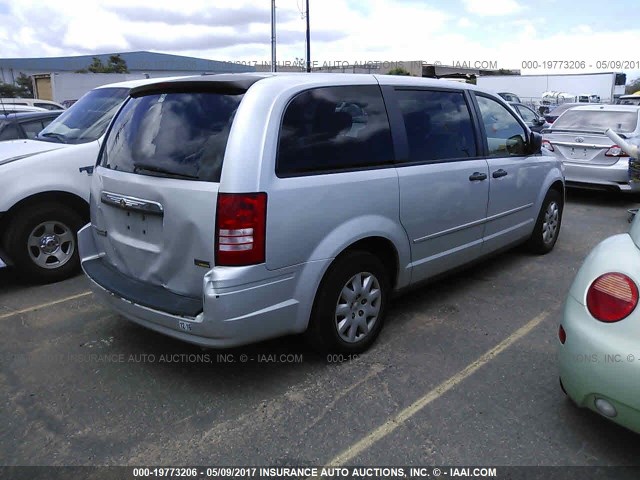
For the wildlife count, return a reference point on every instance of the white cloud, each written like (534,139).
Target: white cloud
(488,8)
(386,30)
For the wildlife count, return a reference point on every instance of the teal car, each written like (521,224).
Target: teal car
(599,348)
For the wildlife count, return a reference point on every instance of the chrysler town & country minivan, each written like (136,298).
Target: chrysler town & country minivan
(230,209)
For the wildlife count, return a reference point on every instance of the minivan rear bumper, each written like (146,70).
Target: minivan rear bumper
(238,306)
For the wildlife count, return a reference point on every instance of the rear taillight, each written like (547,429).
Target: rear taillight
(241,220)
(612,297)
(562,335)
(615,151)
(547,145)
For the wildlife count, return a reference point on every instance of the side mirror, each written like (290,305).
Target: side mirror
(539,121)
(535,143)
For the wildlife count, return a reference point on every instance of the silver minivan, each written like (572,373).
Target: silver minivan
(230,209)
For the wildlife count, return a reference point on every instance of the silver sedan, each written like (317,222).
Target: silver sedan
(589,157)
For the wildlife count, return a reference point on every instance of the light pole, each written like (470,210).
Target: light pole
(273,35)
(308,41)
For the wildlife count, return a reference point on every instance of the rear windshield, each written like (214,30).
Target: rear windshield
(596,121)
(175,135)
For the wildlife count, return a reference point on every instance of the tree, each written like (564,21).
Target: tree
(115,64)
(22,88)
(25,86)
(633,87)
(399,71)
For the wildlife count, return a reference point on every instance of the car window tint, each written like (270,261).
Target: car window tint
(9,132)
(48,106)
(32,128)
(505,135)
(182,135)
(438,125)
(334,128)
(527,114)
(597,120)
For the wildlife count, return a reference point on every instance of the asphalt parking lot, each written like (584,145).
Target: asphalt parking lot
(82,386)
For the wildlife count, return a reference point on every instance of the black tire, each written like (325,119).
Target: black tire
(24,223)
(323,332)
(540,241)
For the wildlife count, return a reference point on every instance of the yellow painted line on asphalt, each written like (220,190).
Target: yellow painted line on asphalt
(398,420)
(44,305)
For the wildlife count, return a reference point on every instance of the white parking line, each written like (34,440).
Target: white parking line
(398,420)
(43,305)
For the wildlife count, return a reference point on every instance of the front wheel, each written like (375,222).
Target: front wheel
(350,304)
(42,242)
(547,228)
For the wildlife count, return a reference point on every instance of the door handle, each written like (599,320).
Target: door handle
(477,176)
(499,173)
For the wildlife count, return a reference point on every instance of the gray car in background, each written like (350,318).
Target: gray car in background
(230,209)
(590,158)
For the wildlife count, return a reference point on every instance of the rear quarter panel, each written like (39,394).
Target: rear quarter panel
(309,218)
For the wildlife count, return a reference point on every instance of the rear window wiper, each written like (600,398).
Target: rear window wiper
(158,170)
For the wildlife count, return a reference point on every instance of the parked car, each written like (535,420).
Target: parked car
(590,159)
(32,102)
(9,109)
(510,97)
(25,125)
(629,99)
(229,209)
(39,218)
(530,117)
(598,349)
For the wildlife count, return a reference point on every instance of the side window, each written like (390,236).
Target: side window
(32,128)
(334,128)
(505,136)
(10,132)
(527,114)
(438,125)
(48,106)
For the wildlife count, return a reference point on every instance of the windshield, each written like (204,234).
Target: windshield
(179,135)
(596,121)
(87,119)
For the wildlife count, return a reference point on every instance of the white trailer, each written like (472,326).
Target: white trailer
(531,87)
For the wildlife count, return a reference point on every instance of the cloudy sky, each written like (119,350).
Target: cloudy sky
(506,32)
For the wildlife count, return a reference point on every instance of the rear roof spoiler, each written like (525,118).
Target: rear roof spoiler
(231,84)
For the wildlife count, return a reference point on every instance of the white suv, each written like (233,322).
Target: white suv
(45,186)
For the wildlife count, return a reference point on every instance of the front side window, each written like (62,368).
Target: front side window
(88,119)
(332,129)
(505,136)
(527,114)
(175,135)
(438,125)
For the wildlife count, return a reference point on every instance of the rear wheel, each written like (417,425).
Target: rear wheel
(350,304)
(547,228)
(42,242)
